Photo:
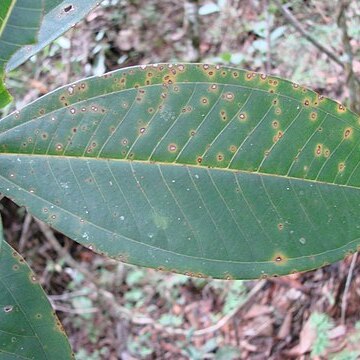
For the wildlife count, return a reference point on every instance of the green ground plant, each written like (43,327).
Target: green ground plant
(203,170)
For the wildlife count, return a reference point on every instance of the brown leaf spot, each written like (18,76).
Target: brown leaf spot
(341,108)
(242,117)
(172,147)
(318,150)
(204,100)
(275,124)
(348,133)
(313,116)
(68,8)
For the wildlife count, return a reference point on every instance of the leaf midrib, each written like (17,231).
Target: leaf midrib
(175,253)
(162,163)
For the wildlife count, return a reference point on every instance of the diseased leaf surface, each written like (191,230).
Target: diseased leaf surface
(204,170)
(19,24)
(59,17)
(29,329)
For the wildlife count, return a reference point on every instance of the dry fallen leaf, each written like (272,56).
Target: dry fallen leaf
(307,338)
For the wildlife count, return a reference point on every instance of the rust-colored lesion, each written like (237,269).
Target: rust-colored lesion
(169,78)
(278,136)
(341,167)
(33,279)
(243,116)
(306,102)
(348,133)
(313,116)
(279,258)
(275,124)
(228,276)
(124,258)
(318,150)
(341,108)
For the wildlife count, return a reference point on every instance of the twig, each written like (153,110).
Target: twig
(74,311)
(68,295)
(48,233)
(268,38)
(351,80)
(297,25)
(68,63)
(25,232)
(346,289)
(191,26)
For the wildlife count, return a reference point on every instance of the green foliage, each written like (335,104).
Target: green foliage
(347,355)
(17,29)
(200,353)
(227,353)
(235,296)
(171,320)
(82,354)
(140,345)
(353,341)
(322,324)
(28,326)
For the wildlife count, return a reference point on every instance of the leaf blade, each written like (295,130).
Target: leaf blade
(29,328)
(198,172)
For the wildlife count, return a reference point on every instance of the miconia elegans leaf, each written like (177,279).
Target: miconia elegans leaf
(198,169)
(29,329)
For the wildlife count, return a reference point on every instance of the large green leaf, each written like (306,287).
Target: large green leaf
(29,329)
(205,170)
(60,16)
(19,25)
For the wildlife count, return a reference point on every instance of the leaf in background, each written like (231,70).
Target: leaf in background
(209,8)
(1,233)
(199,169)
(29,329)
(19,24)
(59,17)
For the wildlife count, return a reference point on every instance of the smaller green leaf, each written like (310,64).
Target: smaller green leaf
(5,11)
(19,25)
(29,328)
(59,16)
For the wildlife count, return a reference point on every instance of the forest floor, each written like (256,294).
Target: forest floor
(115,311)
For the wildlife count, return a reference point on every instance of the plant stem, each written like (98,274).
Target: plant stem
(297,25)
(351,80)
